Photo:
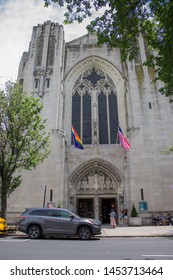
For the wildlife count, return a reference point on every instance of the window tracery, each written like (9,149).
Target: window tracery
(94,107)
(39,51)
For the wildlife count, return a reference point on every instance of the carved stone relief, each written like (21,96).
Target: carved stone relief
(96,181)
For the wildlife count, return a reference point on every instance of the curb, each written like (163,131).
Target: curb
(105,236)
(134,236)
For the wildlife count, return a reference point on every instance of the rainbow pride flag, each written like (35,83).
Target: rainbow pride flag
(77,141)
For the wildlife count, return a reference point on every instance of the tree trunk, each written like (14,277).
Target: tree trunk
(3,206)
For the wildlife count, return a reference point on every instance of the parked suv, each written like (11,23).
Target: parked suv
(37,222)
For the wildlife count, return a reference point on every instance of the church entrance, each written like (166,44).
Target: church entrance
(85,207)
(95,189)
(106,205)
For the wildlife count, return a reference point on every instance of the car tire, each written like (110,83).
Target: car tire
(84,233)
(34,232)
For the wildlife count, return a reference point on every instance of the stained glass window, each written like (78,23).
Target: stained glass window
(103,121)
(94,107)
(86,119)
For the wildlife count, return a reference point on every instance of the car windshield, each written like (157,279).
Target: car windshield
(76,216)
(24,212)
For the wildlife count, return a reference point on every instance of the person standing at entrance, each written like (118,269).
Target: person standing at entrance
(125,217)
(112,218)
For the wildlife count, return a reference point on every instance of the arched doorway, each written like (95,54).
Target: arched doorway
(96,187)
(106,205)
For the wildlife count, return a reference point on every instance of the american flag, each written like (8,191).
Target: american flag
(123,141)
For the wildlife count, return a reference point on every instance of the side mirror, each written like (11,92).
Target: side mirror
(71,217)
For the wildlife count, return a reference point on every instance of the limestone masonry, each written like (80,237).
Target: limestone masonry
(87,86)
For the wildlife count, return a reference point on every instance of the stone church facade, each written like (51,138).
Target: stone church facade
(87,86)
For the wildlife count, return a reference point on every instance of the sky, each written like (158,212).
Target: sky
(17,18)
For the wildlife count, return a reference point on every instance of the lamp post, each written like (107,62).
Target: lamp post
(44,198)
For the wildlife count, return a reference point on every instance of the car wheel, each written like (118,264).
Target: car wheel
(34,232)
(84,233)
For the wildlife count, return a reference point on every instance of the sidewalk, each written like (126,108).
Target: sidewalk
(138,231)
(129,231)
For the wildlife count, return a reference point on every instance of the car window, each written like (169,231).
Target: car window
(51,213)
(39,212)
(65,214)
(59,213)
(54,213)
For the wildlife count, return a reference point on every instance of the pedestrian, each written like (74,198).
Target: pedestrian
(112,218)
(125,216)
(170,218)
(156,218)
(162,220)
(50,205)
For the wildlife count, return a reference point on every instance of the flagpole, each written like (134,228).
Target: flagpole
(44,198)
(117,135)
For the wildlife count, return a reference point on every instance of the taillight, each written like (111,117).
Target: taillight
(22,217)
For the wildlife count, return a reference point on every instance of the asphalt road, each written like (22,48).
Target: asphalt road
(21,248)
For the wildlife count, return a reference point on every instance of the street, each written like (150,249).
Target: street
(143,248)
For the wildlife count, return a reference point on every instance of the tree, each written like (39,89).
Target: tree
(134,212)
(120,24)
(24,142)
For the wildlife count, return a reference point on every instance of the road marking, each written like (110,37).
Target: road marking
(157,256)
(13,240)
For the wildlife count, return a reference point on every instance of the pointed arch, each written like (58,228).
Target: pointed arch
(94,186)
(98,165)
(113,75)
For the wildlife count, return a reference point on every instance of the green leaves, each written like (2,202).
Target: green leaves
(23,137)
(119,24)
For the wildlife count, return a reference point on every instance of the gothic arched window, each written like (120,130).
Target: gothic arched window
(94,107)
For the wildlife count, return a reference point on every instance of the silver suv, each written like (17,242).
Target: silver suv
(37,222)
